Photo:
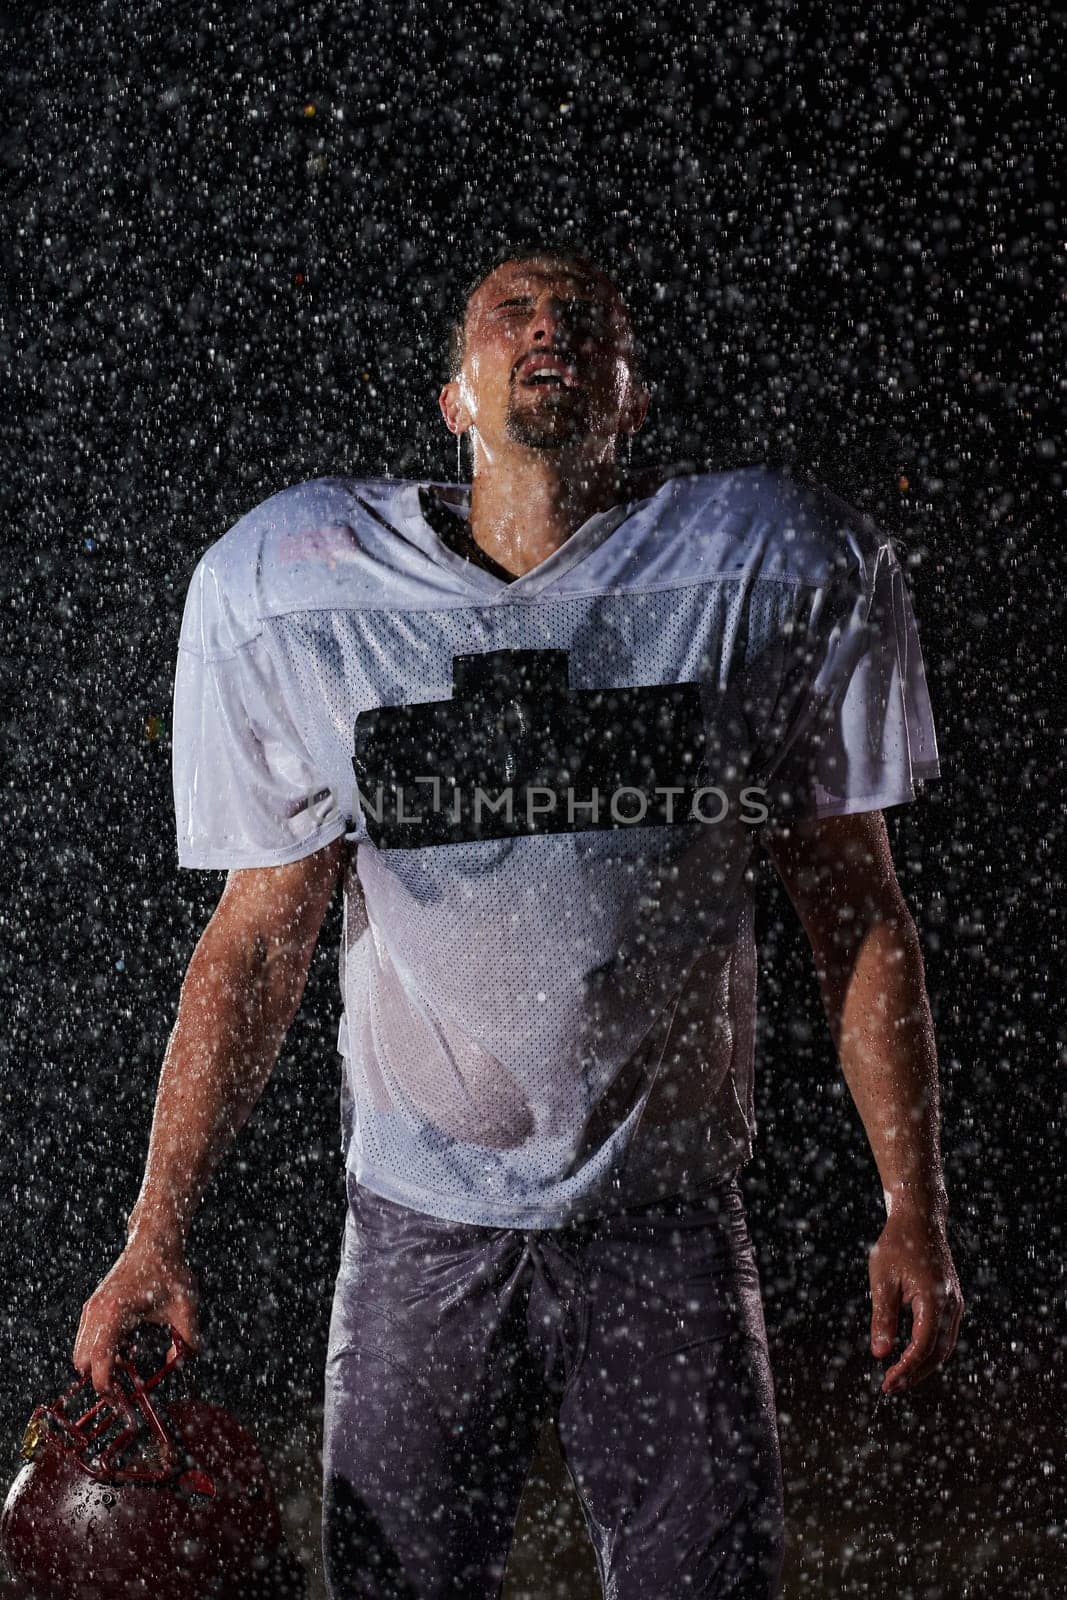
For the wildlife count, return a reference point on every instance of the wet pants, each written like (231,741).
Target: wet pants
(641,1333)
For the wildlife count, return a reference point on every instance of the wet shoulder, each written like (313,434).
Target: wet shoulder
(294,550)
(759,521)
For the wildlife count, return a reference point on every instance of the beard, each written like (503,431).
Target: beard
(546,424)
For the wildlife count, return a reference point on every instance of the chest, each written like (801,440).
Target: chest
(336,664)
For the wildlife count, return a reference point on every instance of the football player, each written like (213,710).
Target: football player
(537,725)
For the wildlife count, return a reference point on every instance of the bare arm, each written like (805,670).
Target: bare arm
(241,991)
(839,874)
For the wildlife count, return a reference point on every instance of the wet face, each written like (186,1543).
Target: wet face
(546,360)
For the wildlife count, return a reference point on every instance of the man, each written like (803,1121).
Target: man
(550,713)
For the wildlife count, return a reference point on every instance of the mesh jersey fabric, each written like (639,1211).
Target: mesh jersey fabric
(553,1023)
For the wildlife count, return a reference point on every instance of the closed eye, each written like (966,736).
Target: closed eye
(592,309)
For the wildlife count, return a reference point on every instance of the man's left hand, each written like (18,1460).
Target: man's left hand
(911,1264)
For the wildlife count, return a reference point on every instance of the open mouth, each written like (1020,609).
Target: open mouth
(547,372)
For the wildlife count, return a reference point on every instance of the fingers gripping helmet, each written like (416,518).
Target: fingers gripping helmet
(140,1496)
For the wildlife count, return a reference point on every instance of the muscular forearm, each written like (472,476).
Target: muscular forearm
(240,994)
(839,874)
(874,991)
(235,1008)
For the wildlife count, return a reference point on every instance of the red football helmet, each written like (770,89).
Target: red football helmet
(136,1497)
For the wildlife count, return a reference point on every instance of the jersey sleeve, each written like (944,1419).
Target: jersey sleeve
(246,791)
(864,735)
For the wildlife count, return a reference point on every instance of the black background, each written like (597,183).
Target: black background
(232,238)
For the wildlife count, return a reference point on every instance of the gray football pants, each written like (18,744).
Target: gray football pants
(642,1333)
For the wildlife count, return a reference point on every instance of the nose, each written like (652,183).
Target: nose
(551,316)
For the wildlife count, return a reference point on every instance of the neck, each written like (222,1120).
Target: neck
(524,506)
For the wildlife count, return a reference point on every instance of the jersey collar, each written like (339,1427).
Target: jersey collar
(582,541)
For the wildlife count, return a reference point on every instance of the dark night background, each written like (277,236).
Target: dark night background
(231,237)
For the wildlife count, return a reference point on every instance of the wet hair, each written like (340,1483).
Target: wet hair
(563,251)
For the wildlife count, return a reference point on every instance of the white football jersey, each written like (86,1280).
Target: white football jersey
(552,786)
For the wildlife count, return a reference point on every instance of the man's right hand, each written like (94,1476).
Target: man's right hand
(149,1282)
(238,998)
